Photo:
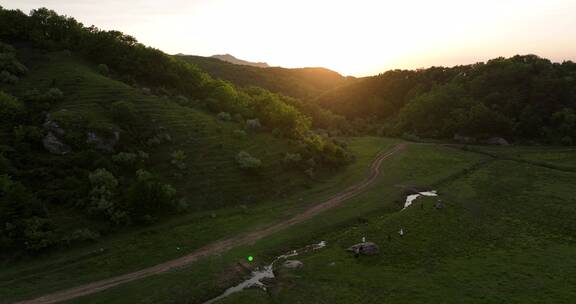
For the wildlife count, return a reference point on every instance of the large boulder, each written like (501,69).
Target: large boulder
(53,140)
(54,145)
(365,248)
(102,143)
(497,141)
(293,264)
(53,127)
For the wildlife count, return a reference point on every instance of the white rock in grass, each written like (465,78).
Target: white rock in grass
(293,264)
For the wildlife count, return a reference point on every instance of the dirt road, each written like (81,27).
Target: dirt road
(222,245)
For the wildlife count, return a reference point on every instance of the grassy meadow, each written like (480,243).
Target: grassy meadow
(506,236)
(418,166)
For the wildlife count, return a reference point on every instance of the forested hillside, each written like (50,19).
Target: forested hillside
(99,132)
(301,83)
(522,98)
(297,85)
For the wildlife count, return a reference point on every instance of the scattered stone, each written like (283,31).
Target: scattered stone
(293,264)
(366,248)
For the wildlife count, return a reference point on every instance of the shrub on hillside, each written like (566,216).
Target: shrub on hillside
(24,224)
(159,139)
(81,235)
(410,137)
(247,161)
(240,133)
(143,155)
(143,175)
(10,107)
(154,141)
(125,158)
(103,69)
(179,159)
(223,116)
(54,94)
(123,111)
(6,48)
(148,197)
(238,118)
(38,233)
(102,196)
(9,62)
(182,100)
(4,166)
(311,163)
(211,104)
(28,134)
(253,124)
(8,78)
(292,158)
(309,172)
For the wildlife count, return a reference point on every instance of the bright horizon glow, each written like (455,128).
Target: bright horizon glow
(359,37)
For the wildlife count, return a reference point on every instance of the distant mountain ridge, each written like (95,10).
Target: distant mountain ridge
(234,60)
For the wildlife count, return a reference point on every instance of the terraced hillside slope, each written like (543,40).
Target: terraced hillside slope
(100,134)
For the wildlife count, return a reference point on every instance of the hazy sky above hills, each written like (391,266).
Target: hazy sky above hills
(353,37)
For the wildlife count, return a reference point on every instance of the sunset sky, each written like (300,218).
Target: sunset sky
(353,37)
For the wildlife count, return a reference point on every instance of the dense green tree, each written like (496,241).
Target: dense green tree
(10,107)
(148,197)
(514,97)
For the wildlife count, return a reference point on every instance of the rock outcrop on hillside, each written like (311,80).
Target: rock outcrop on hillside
(365,248)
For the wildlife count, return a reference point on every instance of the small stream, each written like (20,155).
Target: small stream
(267,272)
(411,198)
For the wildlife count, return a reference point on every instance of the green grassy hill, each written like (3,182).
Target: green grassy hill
(212,178)
(101,133)
(207,176)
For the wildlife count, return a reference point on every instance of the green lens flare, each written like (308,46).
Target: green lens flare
(250,258)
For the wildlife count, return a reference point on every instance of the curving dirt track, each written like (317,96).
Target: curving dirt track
(222,245)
